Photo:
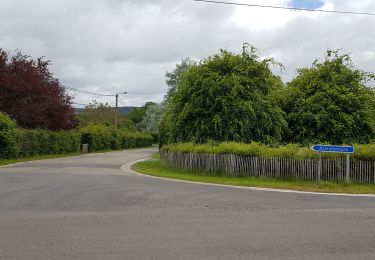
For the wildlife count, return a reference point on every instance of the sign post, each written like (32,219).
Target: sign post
(334,149)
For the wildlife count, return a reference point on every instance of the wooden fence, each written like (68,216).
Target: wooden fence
(276,168)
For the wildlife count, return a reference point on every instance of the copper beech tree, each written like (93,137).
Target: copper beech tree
(31,95)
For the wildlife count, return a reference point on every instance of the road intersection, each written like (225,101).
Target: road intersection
(85,207)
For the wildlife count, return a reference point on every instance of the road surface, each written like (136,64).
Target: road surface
(87,208)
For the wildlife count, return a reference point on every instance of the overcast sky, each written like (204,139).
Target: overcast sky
(112,46)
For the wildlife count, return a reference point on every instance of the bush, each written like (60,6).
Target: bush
(8,145)
(102,137)
(294,151)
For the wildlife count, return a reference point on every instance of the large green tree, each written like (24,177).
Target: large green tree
(225,98)
(330,102)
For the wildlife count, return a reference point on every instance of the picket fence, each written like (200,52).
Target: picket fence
(277,168)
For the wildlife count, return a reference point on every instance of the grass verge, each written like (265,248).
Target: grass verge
(35,158)
(53,156)
(157,168)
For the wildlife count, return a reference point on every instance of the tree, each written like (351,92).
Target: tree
(136,115)
(31,95)
(97,113)
(173,78)
(225,98)
(151,121)
(330,102)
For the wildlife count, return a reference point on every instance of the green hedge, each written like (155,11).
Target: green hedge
(364,152)
(16,142)
(102,137)
(39,142)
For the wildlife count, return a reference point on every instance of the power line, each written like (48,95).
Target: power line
(80,104)
(286,8)
(89,92)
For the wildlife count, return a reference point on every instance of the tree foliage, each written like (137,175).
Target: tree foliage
(330,102)
(95,113)
(225,98)
(173,78)
(136,115)
(31,95)
(7,137)
(152,119)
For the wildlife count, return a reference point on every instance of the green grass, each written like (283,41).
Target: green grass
(156,156)
(157,168)
(35,158)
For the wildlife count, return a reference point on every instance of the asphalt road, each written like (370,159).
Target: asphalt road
(87,208)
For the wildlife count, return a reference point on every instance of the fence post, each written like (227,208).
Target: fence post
(347,177)
(319,167)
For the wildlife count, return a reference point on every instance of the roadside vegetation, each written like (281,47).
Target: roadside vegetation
(18,142)
(226,103)
(292,151)
(233,103)
(37,118)
(237,98)
(159,169)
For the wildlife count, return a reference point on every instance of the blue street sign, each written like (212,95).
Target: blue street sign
(332,148)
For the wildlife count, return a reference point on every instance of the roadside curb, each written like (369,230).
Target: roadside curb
(127,169)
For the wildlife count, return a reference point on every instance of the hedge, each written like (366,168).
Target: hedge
(16,142)
(102,137)
(293,151)
(38,142)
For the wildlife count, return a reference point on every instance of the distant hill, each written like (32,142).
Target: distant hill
(122,110)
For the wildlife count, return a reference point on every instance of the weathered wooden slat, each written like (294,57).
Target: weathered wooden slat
(278,168)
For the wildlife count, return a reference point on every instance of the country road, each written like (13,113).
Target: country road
(85,207)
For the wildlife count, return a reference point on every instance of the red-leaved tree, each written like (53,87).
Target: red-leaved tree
(31,95)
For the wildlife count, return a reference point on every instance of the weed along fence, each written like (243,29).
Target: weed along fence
(361,171)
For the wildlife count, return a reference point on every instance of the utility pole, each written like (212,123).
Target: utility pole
(116,112)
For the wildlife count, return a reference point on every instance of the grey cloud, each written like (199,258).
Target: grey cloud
(103,45)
